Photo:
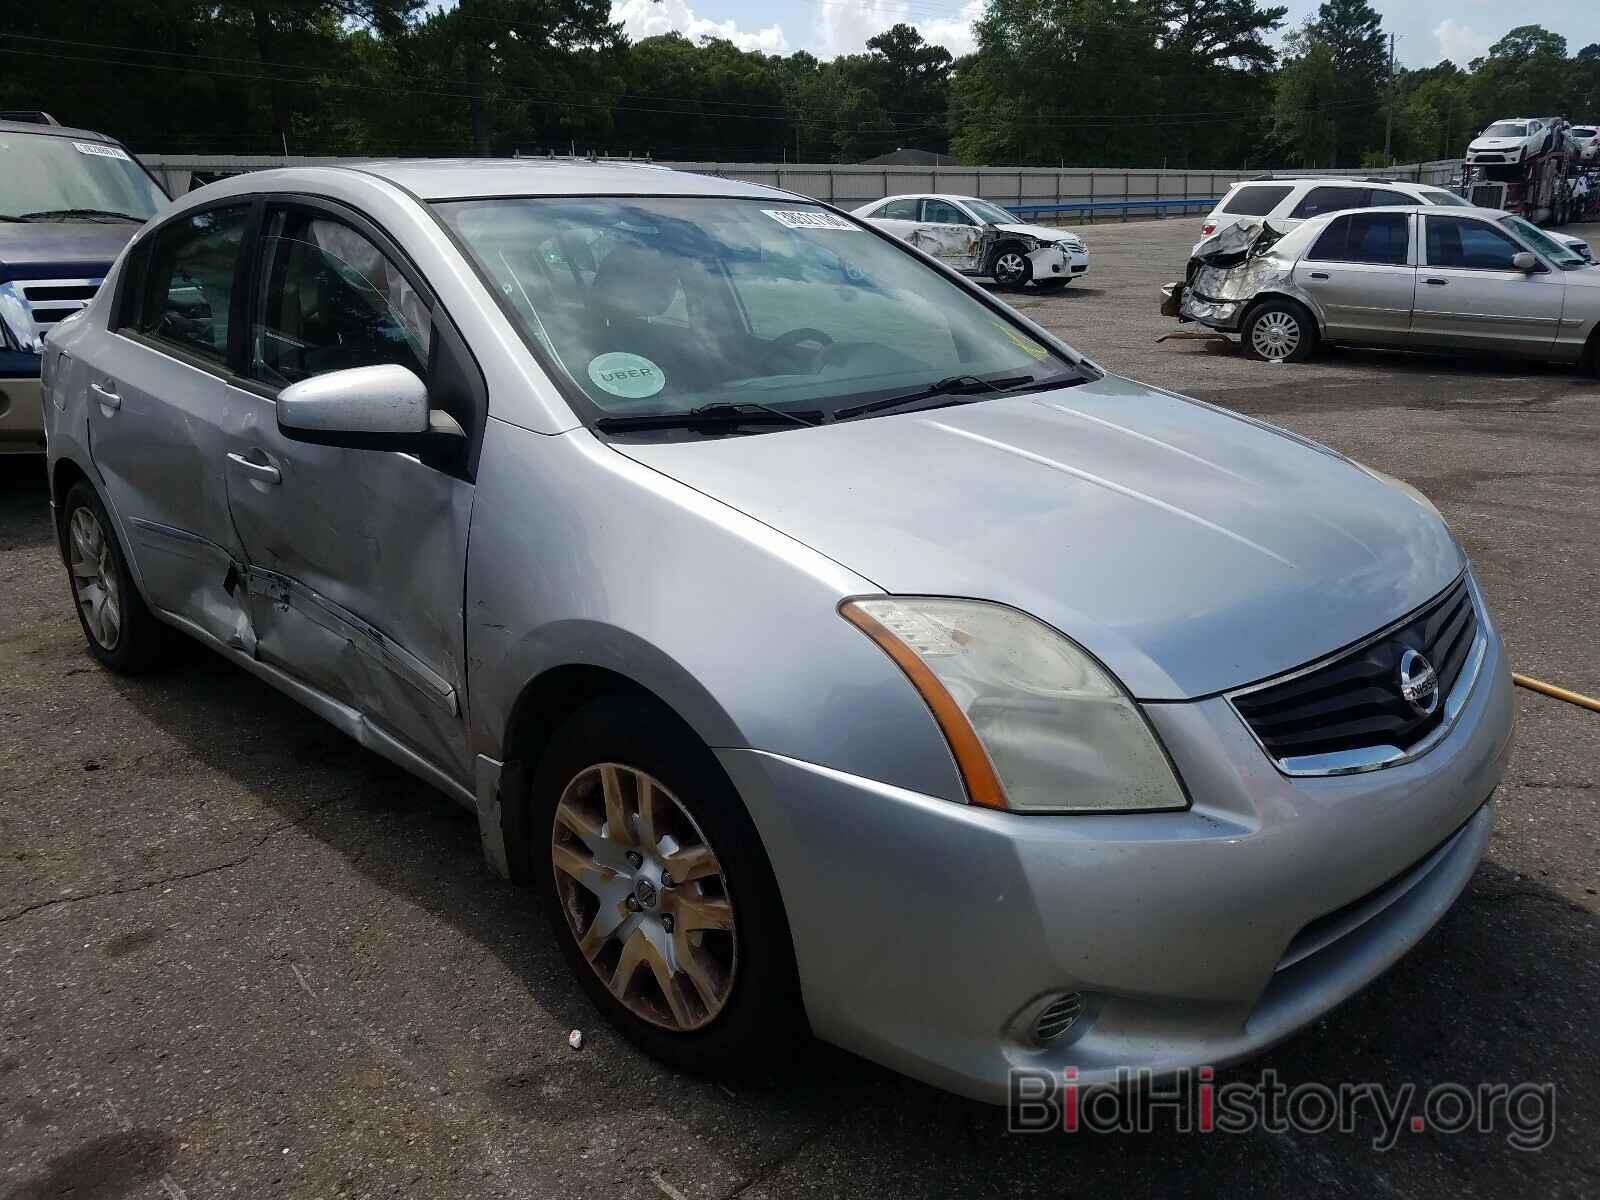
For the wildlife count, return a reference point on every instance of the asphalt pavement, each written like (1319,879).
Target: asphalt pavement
(241,956)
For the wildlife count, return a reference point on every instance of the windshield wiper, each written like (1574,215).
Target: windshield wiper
(951,385)
(709,416)
(47,214)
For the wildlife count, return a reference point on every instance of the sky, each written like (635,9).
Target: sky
(1427,30)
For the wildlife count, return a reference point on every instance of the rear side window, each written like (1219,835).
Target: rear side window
(189,282)
(1472,245)
(1444,199)
(1364,238)
(898,210)
(1321,200)
(1384,198)
(1256,200)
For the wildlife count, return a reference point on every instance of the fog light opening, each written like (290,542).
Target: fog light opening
(1057,1019)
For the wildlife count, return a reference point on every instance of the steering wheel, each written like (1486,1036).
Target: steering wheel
(788,344)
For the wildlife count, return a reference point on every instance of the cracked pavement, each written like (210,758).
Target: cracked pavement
(241,956)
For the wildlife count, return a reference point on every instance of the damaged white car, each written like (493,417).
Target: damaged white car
(976,237)
(1419,278)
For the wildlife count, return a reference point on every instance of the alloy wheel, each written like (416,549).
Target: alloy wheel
(644,895)
(94,578)
(1009,267)
(1276,335)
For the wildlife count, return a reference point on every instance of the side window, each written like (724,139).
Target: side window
(898,210)
(1331,246)
(1321,200)
(1255,201)
(1386,198)
(942,212)
(188,284)
(1472,245)
(329,299)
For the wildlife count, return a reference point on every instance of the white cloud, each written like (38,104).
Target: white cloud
(1461,43)
(842,28)
(648,18)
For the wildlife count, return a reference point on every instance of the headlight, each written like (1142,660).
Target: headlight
(1034,723)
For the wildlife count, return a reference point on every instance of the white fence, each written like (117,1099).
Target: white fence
(1117,193)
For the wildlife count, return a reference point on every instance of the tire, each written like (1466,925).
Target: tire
(1051,285)
(1279,331)
(1011,267)
(731,1002)
(121,633)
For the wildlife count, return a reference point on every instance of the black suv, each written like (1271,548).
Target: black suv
(69,202)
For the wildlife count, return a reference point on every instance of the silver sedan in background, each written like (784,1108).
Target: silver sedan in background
(1416,278)
(828,645)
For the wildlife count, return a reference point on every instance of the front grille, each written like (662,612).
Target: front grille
(1488,195)
(51,300)
(1485,156)
(1353,701)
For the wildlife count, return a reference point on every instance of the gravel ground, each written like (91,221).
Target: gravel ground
(240,956)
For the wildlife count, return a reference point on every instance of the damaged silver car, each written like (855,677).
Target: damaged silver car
(1418,277)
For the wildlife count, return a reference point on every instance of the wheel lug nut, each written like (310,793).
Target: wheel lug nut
(634,859)
(667,881)
(666,922)
(632,902)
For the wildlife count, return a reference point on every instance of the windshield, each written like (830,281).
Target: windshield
(1505,131)
(1556,252)
(1445,199)
(991,213)
(665,305)
(45,174)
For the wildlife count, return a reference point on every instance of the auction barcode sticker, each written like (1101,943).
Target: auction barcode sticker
(808,219)
(102,150)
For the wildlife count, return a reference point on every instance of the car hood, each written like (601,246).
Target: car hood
(1043,232)
(1496,143)
(1190,549)
(61,249)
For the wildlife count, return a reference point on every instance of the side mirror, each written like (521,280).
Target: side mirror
(1524,262)
(381,399)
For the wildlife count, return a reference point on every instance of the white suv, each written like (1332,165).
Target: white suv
(1286,200)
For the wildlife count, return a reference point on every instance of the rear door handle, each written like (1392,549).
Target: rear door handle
(265,472)
(1437,282)
(106,396)
(1319,274)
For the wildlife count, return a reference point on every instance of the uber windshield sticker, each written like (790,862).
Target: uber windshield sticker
(808,219)
(630,375)
(102,151)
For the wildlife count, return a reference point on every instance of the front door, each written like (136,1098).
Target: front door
(1359,270)
(949,235)
(1470,295)
(160,414)
(356,558)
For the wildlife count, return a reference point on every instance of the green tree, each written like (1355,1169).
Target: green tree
(912,78)
(1303,122)
(1352,31)
(1525,74)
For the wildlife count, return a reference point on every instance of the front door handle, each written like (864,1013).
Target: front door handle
(1319,274)
(1437,282)
(265,472)
(106,396)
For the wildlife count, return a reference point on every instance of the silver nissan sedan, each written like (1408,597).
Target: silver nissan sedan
(826,644)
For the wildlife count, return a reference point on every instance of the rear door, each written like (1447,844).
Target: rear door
(1469,296)
(897,216)
(356,559)
(1362,272)
(160,413)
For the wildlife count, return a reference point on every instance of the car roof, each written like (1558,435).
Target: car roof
(473,178)
(1436,210)
(1370,180)
(61,131)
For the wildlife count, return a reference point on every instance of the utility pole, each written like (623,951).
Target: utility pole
(1388,120)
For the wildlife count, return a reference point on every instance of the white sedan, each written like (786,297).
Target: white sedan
(1512,140)
(976,237)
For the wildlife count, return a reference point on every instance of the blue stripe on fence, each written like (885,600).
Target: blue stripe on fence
(1082,206)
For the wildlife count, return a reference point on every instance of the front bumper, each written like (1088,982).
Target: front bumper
(927,932)
(1056,261)
(21,415)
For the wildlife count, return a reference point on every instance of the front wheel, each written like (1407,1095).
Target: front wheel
(1011,267)
(1279,331)
(659,891)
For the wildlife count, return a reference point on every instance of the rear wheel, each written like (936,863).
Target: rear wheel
(1011,266)
(658,889)
(1279,331)
(120,630)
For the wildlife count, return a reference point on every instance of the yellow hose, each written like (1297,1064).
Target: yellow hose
(1551,690)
